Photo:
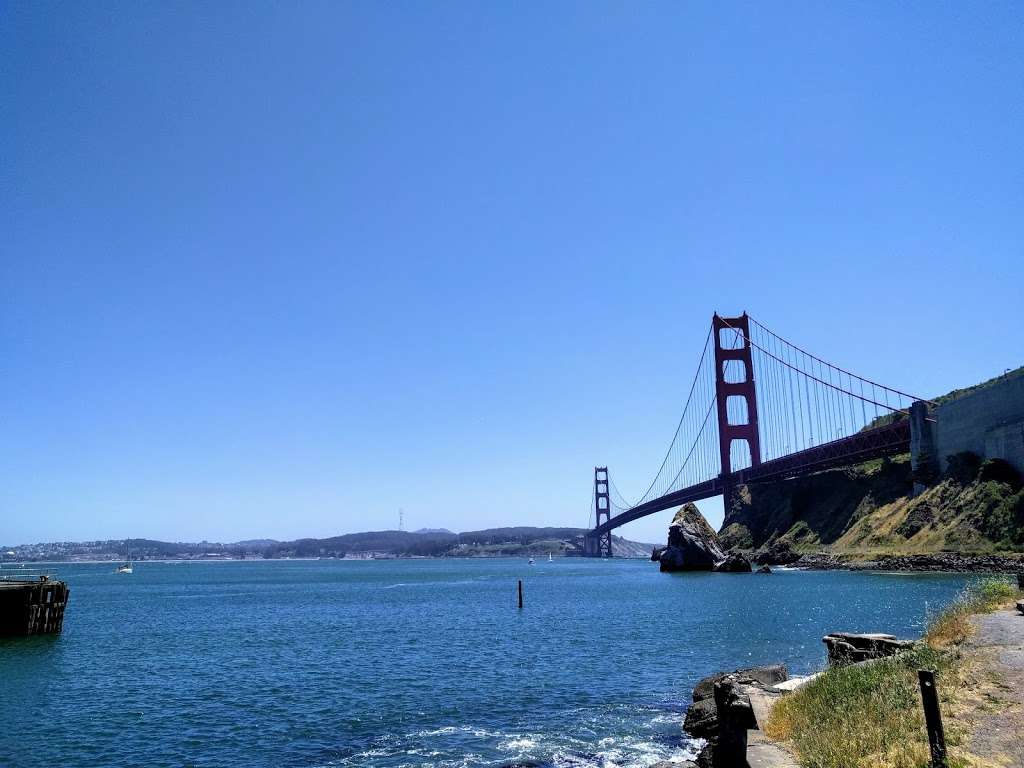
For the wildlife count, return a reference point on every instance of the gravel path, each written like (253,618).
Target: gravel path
(1000,736)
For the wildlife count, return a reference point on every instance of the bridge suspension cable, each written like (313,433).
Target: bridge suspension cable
(691,455)
(802,402)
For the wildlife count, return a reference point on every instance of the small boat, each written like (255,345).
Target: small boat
(126,566)
(549,558)
(531,561)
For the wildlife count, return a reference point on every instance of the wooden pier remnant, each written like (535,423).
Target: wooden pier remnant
(32,606)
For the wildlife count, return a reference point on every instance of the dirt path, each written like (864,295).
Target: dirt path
(999,736)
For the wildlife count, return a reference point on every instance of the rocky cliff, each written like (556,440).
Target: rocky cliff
(867,511)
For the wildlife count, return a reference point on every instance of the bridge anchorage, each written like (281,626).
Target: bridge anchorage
(780,412)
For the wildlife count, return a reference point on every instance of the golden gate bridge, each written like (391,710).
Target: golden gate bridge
(761,409)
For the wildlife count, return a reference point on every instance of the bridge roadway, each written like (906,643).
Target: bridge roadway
(875,443)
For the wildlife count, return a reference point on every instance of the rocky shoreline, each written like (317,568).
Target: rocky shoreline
(941,562)
(693,545)
(729,709)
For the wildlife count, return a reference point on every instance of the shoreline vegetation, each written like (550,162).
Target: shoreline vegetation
(869,715)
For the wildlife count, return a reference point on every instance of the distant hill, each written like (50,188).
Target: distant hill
(492,542)
(257,543)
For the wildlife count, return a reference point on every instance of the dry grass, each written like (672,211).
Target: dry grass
(953,625)
(869,715)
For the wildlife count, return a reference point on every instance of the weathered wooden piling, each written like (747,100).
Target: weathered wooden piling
(33,607)
(520,593)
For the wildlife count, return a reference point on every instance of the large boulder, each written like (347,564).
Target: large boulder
(850,648)
(725,707)
(702,716)
(767,674)
(692,543)
(734,563)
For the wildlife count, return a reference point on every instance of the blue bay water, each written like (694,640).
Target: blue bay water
(412,662)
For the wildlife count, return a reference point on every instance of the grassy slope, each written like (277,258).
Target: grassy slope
(866,511)
(869,715)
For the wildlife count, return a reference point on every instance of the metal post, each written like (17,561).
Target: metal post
(933,718)
(520,593)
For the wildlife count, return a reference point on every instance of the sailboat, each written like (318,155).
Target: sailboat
(126,566)
(549,558)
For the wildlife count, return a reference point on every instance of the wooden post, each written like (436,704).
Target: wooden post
(520,593)
(933,718)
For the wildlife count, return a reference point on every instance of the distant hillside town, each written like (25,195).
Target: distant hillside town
(437,542)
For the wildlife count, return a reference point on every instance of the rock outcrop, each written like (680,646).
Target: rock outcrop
(692,543)
(944,561)
(776,552)
(850,648)
(724,709)
(734,563)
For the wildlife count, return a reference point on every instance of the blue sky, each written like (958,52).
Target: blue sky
(274,269)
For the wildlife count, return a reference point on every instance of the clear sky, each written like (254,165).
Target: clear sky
(280,269)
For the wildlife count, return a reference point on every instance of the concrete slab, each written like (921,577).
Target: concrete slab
(762,753)
(762,704)
(788,686)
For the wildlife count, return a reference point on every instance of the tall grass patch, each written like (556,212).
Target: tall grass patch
(869,715)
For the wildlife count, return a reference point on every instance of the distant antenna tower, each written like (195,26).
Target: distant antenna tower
(401,519)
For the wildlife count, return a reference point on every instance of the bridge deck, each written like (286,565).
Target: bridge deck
(868,444)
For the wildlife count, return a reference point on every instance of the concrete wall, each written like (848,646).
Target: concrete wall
(989,422)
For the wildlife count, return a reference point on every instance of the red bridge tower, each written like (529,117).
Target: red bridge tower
(600,546)
(734,378)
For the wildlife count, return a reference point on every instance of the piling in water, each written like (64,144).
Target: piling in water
(520,593)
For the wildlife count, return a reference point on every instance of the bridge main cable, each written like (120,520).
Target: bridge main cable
(679,427)
(829,384)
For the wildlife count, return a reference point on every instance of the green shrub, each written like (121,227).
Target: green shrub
(999,471)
